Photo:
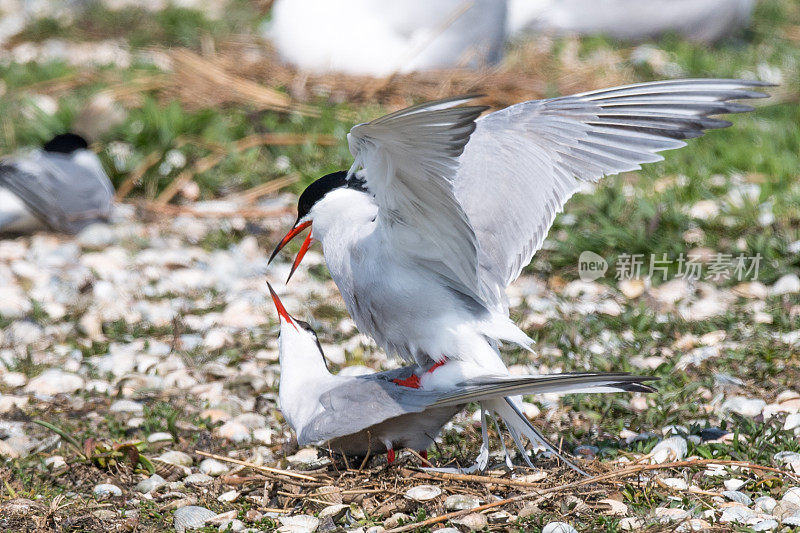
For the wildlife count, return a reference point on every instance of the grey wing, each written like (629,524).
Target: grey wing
(361,403)
(66,195)
(524,162)
(410,158)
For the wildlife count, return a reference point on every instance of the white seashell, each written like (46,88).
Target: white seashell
(159,436)
(175,457)
(631,524)
(675,483)
(227,497)
(212,467)
(558,527)
(617,507)
(472,521)
(738,514)
(765,525)
(299,523)
(423,493)
(461,502)
(106,490)
(671,449)
(738,497)
(198,479)
(150,484)
(191,517)
(740,405)
(665,514)
(765,504)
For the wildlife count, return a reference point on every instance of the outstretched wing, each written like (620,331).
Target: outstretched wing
(410,159)
(524,162)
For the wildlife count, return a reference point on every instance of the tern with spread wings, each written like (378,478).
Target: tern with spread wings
(441,210)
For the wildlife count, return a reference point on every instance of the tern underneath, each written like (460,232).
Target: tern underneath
(447,209)
(359,415)
(61,186)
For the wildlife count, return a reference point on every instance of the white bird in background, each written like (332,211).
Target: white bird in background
(447,209)
(62,187)
(360,415)
(631,20)
(382,37)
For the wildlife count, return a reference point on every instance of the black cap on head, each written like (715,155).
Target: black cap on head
(65,143)
(323,186)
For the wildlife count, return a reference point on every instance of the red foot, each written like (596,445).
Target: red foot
(390,455)
(424,454)
(410,382)
(436,365)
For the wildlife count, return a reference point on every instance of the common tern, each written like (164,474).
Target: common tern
(358,415)
(61,186)
(441,210)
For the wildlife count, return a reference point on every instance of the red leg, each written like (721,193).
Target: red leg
(436,365)
(424,454)
(390,455)
(410,382)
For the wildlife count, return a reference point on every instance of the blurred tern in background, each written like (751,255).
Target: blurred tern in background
(359,415)
(447,209)
(61,187)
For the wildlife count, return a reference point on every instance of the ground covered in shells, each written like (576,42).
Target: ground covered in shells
(138,360)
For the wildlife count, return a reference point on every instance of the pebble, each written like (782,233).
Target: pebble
(558,527)
(234,432)
(666,514)
(765,525)
(304,456)
(765,504)
(787,284)
(160,436)
(150,484)
(212,467)
(734,483)
(232,525)
(396,520)
(126,406)
(792,422)
(737,514)
(299,523)
(229,496)
(792,497)
(191,517)
(675,483)
(461,502)
(423,493)
(671,449)
(738,497)
(106,490)
(175,457)
(54,381)
(335,512)
(472,521)
(749,407)
(198,479)
(631,523)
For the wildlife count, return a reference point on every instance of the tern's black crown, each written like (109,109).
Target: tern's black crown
(323,186)
(65,143)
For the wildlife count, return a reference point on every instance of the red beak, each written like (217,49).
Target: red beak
(282,314)
(289,236)
(300,255)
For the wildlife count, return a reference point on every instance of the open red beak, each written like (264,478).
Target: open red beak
(282,314)
(303,249)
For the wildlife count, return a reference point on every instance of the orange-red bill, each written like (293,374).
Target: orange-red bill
(279,306)
(289,236)
(300,255)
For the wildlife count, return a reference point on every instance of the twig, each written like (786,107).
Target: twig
(201,165)
(136,175)
(254,193)
(269,469)
(542,494)
(418,456)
